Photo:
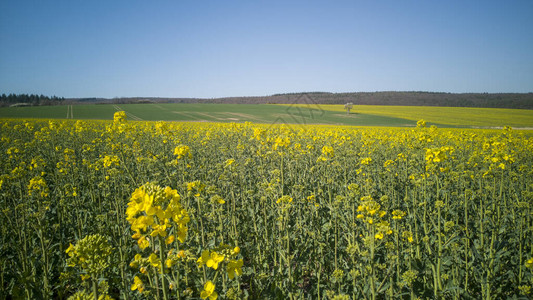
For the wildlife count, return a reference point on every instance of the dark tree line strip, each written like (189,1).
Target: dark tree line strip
(31,99)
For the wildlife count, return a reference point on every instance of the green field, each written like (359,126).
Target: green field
(257,113)
(362,115)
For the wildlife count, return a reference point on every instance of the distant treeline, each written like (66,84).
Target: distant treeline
(503,100)
(28,100)
(416,98)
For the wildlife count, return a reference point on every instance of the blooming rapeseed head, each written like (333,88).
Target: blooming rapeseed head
(209,291)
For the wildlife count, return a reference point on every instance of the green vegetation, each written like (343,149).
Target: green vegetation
(361,115)
(510,100)
(25,99)
(257,113)
(39,112)
(189,210)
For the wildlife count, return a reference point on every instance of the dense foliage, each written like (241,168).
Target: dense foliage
(19,99)
(133,210)
(499,100)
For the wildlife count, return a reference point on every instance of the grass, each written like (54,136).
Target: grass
(53,112)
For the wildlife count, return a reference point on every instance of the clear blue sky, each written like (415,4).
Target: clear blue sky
(113,48)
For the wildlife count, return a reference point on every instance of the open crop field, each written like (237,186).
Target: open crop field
(447,116)
(362,115)
(189,210)
(239,113)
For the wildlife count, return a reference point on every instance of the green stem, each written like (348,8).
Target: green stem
(95,289)
(162,267)
(372,281)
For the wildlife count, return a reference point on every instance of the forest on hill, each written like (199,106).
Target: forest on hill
(29,100)
(503,100)
(499,100)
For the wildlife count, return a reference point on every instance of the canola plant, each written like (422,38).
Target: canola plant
(166,210)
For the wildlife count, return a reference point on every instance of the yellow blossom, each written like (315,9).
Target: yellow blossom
(170,239)
(210,259)
(235,267)
(209,291)
(182,151)
(529,263)
(137,284)
(119,117)
(154,260)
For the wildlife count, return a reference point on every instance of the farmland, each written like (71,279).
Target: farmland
(362,115)
(446,116)
(178,210)
(257,113)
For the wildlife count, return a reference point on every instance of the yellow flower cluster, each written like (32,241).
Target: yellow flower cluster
(398,214)
(91,254)
(182,151)
(497,155)
(383,228)
(110,160)
(119,117)
(173,256)
(327,153)
(281,142)
(195,186)
(366,161)
(408,236)
(143,263)
(235,268)
(210,258)
(259,134)
(137,284)
(222,254)
(120,124)
(437,155)
(12,152)
(153,211)
(284,200)
(312,199)
(209,291)
(370,211)
(38,187)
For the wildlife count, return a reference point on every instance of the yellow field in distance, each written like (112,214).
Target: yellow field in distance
(455,116)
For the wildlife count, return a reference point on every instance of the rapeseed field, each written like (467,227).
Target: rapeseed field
(164,210)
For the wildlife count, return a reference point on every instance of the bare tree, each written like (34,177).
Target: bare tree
(348,106)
